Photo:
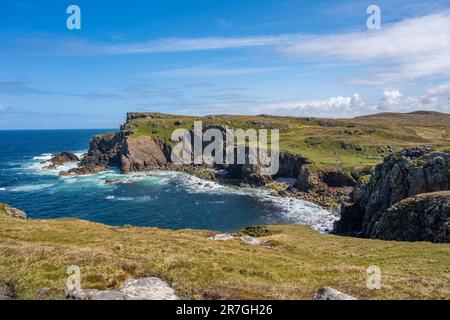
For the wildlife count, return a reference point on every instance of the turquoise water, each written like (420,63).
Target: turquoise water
(155,199)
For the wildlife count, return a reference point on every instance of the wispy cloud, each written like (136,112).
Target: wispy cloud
(407,50)
(205,72)
(436,98)
(19,88)
(170,45)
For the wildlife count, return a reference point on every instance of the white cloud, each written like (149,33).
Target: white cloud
(391,98)
(436,99)
(440,90)
(168,45)
(408,50)
(202,72)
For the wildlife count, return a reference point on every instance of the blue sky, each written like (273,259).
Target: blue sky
(301,58)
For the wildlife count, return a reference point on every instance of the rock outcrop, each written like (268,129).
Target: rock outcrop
(143,153)
(425,217)
(136,289)
(127,153)
(105,150)
(290,165)
(328,293)
(60,159)
(15,213)
(402,175)
(7,292)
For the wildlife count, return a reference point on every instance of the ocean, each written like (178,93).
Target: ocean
(168,200)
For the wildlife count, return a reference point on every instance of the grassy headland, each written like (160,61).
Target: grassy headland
(343,144)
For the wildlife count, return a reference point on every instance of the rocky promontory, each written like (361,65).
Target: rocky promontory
(132,151)
(401,176)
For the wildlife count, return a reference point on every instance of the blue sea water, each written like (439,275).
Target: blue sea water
(155,199)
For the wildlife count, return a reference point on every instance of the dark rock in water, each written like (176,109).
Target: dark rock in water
(338,179)
(60,159)
(64,157)
(82,171)
(16,213)
(403,175)
(424,217)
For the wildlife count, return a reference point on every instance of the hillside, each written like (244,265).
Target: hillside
(328,143)
(34,254)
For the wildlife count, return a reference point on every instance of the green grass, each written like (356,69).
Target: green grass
(34,254)
(324,145)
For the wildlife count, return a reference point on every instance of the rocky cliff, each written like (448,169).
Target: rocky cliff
(425,217)
(141,145)
(402,175)
(129,154)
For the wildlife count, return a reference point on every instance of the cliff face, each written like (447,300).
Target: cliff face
(423,217)
(143,153)
(105,150)
(409,173)
(129,154)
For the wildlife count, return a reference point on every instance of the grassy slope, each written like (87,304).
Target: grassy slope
(322,144)
(35,254)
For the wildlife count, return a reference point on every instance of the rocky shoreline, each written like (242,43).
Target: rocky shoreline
(365,207)
(148,153)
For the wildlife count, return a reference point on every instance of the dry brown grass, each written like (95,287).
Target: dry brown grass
(34,254)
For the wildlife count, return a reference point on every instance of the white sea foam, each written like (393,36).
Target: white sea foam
(31,187)
(43,157)
(2,189)
(295,210)
(124,198)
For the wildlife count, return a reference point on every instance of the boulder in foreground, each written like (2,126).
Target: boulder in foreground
(136,289)
(327,293)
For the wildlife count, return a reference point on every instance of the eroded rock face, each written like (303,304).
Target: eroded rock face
(143,153)
(307,179)
(129,154)
(248,174)
(424,217)
(105,150)
(290,165)
(406,174)
(338,179)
